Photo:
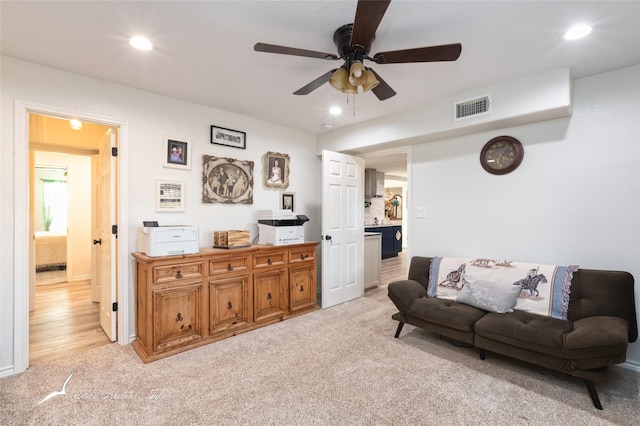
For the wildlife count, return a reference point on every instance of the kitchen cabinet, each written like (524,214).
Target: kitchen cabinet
(186,301)
(391,239)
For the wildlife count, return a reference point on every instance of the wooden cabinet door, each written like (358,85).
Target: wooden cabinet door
(270,295)
(229,307)
(177,316)
(302,288)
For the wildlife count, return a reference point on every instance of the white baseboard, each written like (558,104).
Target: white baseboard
(6,371)
(79,278)
(631,365)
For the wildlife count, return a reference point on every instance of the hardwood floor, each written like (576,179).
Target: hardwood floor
(64,321)
(394,268)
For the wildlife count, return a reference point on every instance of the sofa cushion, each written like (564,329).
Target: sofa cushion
(489,295)
(589,338)
(446,312)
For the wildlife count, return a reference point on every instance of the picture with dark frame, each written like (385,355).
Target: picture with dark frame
(227,181)
(228,137)
(276,172)
(287,201)
(177,153)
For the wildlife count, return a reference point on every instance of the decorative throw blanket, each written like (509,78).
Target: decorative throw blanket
(501,286)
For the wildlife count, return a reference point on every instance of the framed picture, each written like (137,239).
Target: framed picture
(227,181)
(176,153)
(276,170)
(169,196)
(287,201)
(228,137)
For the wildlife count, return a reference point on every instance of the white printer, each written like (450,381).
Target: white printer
(280,227)
(168,240)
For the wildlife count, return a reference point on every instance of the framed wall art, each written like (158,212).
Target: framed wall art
(226,180)
(176,153)
(169,196)
(276,170)
(287,201)
(228,137)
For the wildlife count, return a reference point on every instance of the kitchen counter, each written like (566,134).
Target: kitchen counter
(385,224)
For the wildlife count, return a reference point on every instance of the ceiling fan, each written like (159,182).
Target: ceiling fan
(354,44)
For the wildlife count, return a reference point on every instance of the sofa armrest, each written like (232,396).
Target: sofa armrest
(404,292)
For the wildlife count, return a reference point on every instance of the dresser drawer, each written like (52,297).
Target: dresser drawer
(265,260)
(302,255)
(177,272)
(230,264)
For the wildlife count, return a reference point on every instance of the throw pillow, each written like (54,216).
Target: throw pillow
(489,295)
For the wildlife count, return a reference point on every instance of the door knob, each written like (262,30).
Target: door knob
(97,242)
(326,237)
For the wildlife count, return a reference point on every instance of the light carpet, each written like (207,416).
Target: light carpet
(336,366)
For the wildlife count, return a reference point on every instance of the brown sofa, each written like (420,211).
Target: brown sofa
(600,324)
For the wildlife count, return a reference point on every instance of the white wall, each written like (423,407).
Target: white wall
(574,200)
(149,117)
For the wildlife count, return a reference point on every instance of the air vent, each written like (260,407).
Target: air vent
(472,107)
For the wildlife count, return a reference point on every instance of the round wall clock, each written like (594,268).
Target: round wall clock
(501,155)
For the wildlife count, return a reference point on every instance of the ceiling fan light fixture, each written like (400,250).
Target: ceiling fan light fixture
(370,82)
(350,89)
(339,80)
(357,74)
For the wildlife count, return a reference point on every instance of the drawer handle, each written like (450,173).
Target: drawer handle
(178,273)
(229,306)
(269,261)
(229,267)
(268,296)
(303,256)
(179,317)
(301,288)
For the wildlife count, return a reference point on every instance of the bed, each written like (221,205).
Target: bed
(51,251)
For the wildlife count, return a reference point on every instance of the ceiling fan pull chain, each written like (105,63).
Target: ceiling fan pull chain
(354,105)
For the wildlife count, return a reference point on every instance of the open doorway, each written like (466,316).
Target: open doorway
(64,311)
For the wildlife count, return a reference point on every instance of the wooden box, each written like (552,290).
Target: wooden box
(231,239)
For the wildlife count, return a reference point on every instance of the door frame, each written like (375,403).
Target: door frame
(22,110)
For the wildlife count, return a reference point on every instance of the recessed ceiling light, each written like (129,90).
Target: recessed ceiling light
(141,43)
(336,110)
(75,124)
(577,31)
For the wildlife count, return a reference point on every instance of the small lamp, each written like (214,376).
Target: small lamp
(357,74)
(339,79)
(370,82)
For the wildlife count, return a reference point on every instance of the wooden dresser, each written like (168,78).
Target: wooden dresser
(191,300)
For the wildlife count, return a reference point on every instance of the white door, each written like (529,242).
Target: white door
(106,219)
(96,230)
(342,228)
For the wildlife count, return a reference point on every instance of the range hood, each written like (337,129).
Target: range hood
(371,184)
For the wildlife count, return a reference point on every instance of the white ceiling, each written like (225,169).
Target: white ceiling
(204,49)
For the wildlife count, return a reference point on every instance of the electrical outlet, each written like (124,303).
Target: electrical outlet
(421,212)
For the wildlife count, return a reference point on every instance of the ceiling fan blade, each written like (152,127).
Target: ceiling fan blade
(272,48)
(315,83)
(369,13)
(382,91)
(446,52)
